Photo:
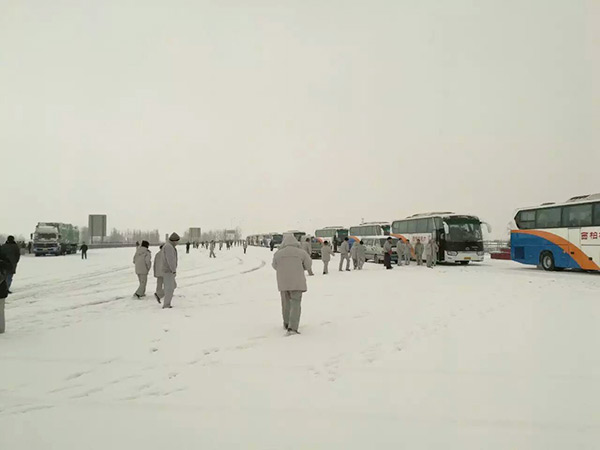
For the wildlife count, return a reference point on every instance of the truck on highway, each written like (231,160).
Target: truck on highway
(54,238)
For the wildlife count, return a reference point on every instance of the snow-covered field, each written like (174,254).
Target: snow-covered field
(490,356)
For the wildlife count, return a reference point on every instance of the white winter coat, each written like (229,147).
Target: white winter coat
(290,262)
(361,251)
(326,253)
(142,260)
(307,247)
(344,248)
(159,261)
(169,258)
(353,250)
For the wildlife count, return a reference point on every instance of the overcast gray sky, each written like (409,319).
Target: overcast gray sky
(282,114)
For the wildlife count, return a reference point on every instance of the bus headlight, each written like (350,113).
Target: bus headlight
(452,253)
(480,253)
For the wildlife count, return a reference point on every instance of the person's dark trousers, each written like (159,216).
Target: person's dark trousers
(387,260)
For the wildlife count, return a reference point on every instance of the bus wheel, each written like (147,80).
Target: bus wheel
(547,261)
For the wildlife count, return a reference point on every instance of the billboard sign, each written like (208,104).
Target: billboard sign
(195,234)
(97,225)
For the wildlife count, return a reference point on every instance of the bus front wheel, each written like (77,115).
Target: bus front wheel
(547,261)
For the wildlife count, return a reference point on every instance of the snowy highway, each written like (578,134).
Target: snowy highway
(494,356)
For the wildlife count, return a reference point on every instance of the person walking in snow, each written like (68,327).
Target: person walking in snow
(169,268)
(84,249)
(290,262)
(5,269)
(307,247)
(272,244)
(159,261)
(431,251)
(353,256)
(142,259)
(345,254)
(326,254)
(245,246)
(407,250)
(400,252)
(419,252)
(212,249)
(220,245)
(13,253)
(187,247)
(387,253)
(361,255)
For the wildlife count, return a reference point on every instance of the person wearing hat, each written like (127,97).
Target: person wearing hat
(142,259)
(170,269)
(13,254)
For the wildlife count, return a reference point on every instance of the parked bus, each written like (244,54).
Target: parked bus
(559,236)
(277,239)
(334,235)
(368,229)
(331,233)
(458,237)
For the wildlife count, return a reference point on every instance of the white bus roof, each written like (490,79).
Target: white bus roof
(373,223)
(332,228)
(573,200)
(436,214)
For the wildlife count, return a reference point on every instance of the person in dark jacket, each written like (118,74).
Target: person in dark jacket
(5,268)
(13,253)
(84,249)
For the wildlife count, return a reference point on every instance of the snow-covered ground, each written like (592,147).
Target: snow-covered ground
(489,356)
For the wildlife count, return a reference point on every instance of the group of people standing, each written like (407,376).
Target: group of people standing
(165,270)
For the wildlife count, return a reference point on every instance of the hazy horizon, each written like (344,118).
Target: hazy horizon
(273,115)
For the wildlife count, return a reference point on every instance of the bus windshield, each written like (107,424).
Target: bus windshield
(278,238)
(342,234)
(386,230)
(325,233)
(463,229)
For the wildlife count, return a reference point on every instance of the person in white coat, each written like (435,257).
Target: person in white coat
(169,269)
(159,260)
(400,252)
(345,254)
(212,249)
(142,259)
(307,247)
(431,251)
(326,254)
(353,256)
(407,252)
(290,262)
(361,254)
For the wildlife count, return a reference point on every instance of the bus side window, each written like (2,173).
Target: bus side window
(412,226)
(422,225)
(596,214)
(577,216)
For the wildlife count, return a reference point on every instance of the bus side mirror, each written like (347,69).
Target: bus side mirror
(488,226)
(446,228)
